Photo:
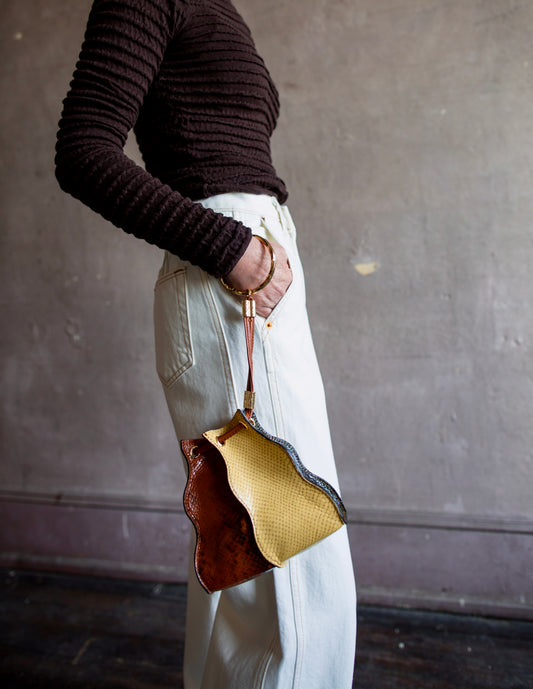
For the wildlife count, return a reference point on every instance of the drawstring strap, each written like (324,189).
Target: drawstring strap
(248,315)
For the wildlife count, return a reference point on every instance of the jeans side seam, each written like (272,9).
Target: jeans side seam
(298,622)
(273,388)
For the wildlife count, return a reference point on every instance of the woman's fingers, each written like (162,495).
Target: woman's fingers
(269,297)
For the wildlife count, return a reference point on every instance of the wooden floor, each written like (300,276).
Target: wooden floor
(80,633)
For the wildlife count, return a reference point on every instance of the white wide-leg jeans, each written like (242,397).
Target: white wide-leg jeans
(294,627)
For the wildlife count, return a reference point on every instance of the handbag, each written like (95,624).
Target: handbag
(252,501)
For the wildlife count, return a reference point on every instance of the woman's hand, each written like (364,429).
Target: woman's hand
(254,266)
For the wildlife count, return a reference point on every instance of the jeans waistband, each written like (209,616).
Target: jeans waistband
(262,204)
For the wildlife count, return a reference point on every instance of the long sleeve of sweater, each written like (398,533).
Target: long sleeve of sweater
(125,43)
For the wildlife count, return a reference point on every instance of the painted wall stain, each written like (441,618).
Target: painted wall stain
(366,267)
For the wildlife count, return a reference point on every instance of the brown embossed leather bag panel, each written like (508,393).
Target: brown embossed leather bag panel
(226,552)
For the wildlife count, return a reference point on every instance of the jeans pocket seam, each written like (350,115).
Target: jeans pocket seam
(173,342)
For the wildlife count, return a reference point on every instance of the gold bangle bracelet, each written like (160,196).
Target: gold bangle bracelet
(249,292)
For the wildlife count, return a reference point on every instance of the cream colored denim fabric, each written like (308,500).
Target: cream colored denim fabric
(294,627)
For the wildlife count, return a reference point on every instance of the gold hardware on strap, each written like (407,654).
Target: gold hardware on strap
(266,281)
(248,307)
(249,399)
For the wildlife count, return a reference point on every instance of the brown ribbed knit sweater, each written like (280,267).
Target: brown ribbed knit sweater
(186,76)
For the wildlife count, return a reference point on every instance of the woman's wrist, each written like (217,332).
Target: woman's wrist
(254,269)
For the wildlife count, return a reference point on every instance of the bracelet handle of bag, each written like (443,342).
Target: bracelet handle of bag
(248,315)
(266,281)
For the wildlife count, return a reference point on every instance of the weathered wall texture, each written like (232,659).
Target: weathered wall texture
(405,139)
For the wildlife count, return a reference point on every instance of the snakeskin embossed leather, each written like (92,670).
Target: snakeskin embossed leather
(226,553)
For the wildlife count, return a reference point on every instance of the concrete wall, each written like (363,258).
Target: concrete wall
(405,139)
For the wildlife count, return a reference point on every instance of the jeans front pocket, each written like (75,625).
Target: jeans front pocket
(173,344)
